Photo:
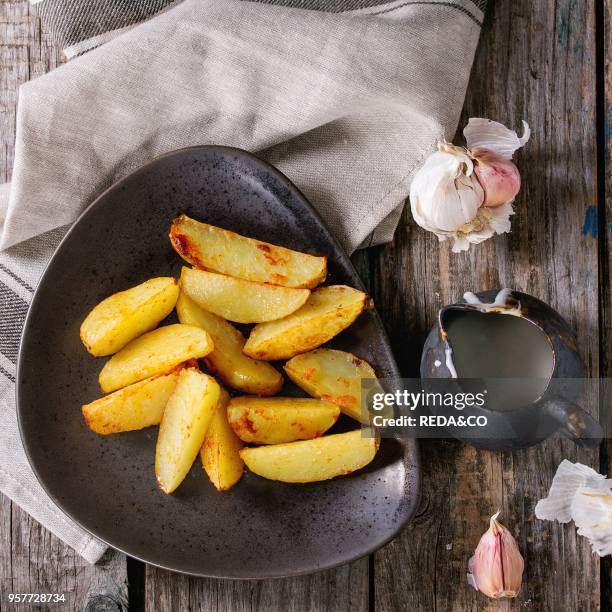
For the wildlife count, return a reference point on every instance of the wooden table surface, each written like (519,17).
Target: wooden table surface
(548,62)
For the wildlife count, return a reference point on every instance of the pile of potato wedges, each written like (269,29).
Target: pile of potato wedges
(153,375)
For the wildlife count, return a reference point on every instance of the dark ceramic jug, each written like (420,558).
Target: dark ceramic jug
(555,409)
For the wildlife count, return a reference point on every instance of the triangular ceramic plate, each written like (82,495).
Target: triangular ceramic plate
(260,528)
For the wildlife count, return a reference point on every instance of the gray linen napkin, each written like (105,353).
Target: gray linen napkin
(346,100)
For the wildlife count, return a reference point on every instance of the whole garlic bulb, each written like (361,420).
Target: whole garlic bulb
(466,194)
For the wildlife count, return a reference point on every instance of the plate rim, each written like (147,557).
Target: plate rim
(411,444)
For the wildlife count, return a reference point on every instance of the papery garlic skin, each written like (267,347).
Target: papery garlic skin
(592,513)
(488,221)
(496,569)
(580,494)
(568,479)
(484,137)
(492,146)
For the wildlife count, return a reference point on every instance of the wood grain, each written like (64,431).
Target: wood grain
(32,560)
(341,590)
(536,61)
(604,24)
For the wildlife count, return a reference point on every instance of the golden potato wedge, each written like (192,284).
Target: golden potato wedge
(312,460)
(135,407)
(157,352)
(183,427)
(334,376)
(220,453)
(327,312)
(275,420)
(227,360)
(240,300)
(211,248)
(128,314)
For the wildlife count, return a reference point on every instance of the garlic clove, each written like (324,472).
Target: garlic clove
(500,180)
(496,569)
(569,478)
(485,137)
(592,512)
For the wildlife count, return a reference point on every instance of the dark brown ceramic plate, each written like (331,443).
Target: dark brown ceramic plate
(260,528)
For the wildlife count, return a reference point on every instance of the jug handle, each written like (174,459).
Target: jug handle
(574,422)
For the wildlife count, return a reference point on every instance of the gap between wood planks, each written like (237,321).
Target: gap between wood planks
(603,30)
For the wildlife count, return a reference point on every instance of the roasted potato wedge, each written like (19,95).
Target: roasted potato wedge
(227,360)
(134,407)
(334,376)
(183,427)
(128,314)
(276,420)
(211,248)
(240,300)
(157,352)
(312,460)
(327,312)
(220,453)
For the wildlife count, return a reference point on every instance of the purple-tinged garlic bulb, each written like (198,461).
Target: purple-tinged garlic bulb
(465,194)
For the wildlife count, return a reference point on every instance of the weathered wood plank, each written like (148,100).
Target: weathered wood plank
(536,61)
(341,590)
(41,563)
(32,560)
